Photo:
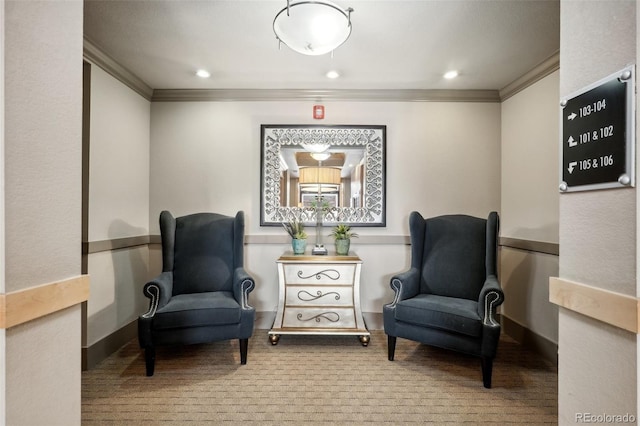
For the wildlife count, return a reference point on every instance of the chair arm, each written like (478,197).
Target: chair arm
(159,290)
(243,284)
(405,285)
(491,296)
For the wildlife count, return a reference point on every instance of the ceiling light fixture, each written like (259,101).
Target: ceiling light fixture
(203,73)
(312,27)
(451,74)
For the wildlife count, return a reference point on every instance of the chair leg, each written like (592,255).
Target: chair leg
(487,368)
(391,347)
(150,360)
(244,344)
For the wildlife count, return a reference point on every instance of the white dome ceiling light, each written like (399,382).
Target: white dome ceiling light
(312,27)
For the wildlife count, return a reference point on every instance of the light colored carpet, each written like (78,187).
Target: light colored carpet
(319,380)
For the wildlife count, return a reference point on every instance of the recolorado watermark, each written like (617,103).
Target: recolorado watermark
(605,418)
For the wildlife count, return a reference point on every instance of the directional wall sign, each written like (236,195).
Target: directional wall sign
(598,135)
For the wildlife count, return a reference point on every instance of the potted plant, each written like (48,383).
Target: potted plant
(295,228)
(342,235)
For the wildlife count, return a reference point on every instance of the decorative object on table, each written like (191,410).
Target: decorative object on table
(295,229)
(202,294)
(342,235)
(312,27)
(321,206)
(448,298)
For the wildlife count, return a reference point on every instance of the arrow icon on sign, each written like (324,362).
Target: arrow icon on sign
(571,166)
(572,142)
(572,116)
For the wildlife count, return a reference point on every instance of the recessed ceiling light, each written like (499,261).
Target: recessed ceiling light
(333,74)
(451,74)
(203,73)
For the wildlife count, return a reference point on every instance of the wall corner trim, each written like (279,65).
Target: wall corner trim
(31,303)
(617,309)
(96,55)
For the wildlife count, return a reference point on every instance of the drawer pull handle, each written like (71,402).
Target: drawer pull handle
(326,315)
(332,274)
(308,297)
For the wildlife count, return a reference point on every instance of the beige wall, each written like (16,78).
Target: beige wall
(118,203)
(205,156)
(186,136)
(529,184)
(193,144)
(529,204)
(597,368)
(119,160)
(42,172)
(3,335)
(200,150)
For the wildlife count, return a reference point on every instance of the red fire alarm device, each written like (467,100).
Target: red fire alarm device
(318,112)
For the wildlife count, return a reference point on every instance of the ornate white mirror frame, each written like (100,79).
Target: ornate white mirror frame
(356,197)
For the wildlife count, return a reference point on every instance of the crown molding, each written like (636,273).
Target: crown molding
(94,54)
(540,71)
(360,95)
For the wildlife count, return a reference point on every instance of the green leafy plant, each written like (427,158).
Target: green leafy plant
(343,232)
(295,228)
(320,204)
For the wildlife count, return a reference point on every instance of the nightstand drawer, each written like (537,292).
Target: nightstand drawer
(318,318)
(319,296)
(323,274)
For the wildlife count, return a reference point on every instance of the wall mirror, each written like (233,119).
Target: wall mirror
(331,174)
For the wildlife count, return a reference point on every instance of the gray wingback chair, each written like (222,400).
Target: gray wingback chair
(448,298)
(202,293)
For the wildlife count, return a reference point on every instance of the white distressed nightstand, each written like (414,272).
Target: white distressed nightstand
(319,295)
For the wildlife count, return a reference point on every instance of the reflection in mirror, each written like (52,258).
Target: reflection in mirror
(335,171)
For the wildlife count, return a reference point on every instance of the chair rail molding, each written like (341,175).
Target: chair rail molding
(19,307)
(617,309)
(530,245)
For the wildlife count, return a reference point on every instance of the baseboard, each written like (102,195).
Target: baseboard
(99,351)
(530,340)
(264,320)
(373,320)
(96,353)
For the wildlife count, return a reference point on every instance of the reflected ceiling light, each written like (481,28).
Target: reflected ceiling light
(315,147)
(320,156)
(333,74)
(320,175)
(451,74)
(203,73)
(312,27)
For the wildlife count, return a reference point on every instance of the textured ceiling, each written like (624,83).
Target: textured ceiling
(394,44)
